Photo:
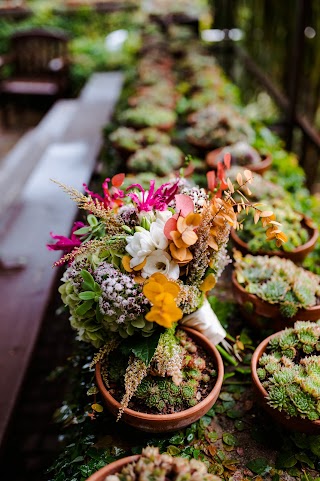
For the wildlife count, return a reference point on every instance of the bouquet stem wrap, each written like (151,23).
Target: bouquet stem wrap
(205,321)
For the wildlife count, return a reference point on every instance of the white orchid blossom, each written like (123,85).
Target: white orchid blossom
(139,246)
(144,242)
(160,261)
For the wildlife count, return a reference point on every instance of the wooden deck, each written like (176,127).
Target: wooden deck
(34,207)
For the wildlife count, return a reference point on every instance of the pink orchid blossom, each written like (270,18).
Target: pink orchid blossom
(64,243)
(152,199)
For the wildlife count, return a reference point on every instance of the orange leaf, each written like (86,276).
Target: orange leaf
(227,160)
(117,180)
(189,237)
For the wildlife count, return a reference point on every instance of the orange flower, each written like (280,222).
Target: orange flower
(162,294)
(183,237)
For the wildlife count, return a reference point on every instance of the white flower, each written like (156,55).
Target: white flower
(160,261)
(139,246)
(163,216)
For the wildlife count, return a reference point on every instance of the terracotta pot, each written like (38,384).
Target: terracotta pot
(294,423)
(297,255)
(263,315)
(158,423)
(260,168)
(113,468)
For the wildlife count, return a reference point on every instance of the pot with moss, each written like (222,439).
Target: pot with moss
(164,404)
(242,155)
(153,465)
(300,231)
(286,376)
(274,292)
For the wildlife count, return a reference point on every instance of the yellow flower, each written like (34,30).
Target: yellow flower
(208,283)
(162,294)
(126,264)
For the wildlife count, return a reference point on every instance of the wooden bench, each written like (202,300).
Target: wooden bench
(26,276)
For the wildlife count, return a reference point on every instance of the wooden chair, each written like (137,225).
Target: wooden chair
(38,65)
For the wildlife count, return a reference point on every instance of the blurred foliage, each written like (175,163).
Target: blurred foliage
(87,29)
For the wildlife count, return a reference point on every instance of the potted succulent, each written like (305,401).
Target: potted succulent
(286,376)
(127,140)
(215,127)
(148,115)
(157,158)
(242,155)
(143,262)
(274,292)
(153,465)
(300,231)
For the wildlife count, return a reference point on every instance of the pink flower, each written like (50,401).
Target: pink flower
(64,243)
(151,199)
(113,195)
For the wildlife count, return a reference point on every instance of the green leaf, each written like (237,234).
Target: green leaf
(286,460)
(92,220)
(177,439)
(225,396)
(173,450)
(99,315)
(84,308)
(213,436)
(259,466)
(306,477)
(303,458)
(85,296)
(314,443)
(239,424)
(88,279)
(82,230)
(78,459)
(143,348)
(229,439)
(234,414)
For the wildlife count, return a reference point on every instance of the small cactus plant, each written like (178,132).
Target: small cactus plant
(156,466)
(290,371)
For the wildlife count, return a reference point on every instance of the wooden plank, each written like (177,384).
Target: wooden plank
(24,231)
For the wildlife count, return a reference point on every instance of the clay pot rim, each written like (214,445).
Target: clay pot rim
(113,468)
(305,222)
(182,414)
(253,296)
(259,351)
(264,164)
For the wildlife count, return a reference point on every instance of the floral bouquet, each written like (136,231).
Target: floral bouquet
(143,262)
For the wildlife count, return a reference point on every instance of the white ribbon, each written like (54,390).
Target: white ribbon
(205,321)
